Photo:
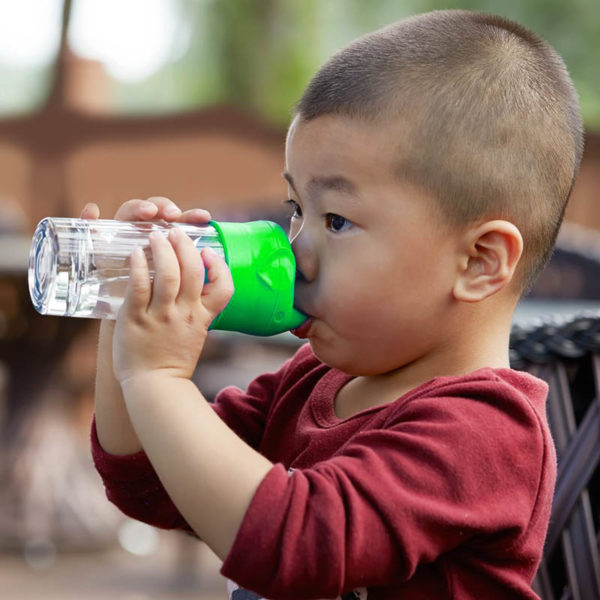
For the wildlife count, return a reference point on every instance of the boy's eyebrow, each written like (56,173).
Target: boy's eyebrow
(316,185)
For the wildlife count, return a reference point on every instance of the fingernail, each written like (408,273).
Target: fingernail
(172,210)
(137,254)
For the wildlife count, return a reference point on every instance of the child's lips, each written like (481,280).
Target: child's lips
(302,330)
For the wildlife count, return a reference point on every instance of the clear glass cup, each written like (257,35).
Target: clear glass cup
(80,268)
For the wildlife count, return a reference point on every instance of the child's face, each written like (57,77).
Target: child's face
(378,266)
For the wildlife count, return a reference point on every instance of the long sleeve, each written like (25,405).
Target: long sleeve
(132,485)
(449,472)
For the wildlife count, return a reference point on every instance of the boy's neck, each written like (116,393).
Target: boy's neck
(475,342)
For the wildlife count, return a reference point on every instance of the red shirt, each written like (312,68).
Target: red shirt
(444,493)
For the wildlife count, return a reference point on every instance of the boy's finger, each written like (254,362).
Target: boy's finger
(136,210)
(190,264)
(90,211)
(166,267)
(153,208)
(139,288)
(167,209)
(217,292)
(195,215)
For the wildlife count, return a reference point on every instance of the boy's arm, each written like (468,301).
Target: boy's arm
(115,432)
(210,473)
(131,481)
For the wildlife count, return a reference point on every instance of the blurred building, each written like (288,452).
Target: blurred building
(75,151)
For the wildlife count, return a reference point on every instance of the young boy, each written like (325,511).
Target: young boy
(397,455)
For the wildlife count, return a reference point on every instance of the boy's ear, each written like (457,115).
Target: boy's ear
(488,260)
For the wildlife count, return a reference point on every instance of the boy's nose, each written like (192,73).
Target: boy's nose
(306,260)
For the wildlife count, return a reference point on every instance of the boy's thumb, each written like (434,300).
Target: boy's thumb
(218,290)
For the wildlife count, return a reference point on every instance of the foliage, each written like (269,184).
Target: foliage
(262,53)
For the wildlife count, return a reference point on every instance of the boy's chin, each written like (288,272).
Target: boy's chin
(328,356)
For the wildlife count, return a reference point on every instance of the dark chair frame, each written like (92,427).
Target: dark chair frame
(565,352)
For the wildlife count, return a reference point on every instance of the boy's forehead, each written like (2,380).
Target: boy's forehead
(337,127)
(337,144)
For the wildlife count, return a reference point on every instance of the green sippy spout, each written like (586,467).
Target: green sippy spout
(263,269)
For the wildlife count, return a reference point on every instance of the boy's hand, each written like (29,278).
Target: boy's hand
(152,209)
(161,326)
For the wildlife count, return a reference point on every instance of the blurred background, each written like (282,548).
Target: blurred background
(106,101)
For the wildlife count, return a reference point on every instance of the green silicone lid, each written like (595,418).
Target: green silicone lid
(263,268)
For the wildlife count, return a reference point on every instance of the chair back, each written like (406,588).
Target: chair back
(565,352)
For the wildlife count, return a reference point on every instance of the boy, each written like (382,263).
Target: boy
(397,455)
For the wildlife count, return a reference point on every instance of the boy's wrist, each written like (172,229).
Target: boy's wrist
(151,377)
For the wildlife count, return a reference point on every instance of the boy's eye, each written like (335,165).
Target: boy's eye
(297,211)
(336,223)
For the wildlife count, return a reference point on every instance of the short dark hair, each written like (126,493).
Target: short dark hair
(493,122)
